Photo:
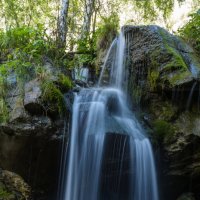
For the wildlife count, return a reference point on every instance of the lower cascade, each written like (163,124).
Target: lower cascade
(109,156)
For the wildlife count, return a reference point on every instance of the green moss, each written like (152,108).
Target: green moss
(163,129)
(152,78)
(53,95)
(177,60)
(164,34)
(173,70)
(179,77)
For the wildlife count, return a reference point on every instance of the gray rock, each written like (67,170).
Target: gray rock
(36,125)
(33,93)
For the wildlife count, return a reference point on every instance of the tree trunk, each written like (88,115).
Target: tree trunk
(89,8)
(62,23)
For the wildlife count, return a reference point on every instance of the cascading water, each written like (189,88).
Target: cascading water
(96,113)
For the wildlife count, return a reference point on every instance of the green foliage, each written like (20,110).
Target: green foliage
(151,9)
(163,130)
(65,83)
(107,30)
(17,13)
(191,31)
(86,49)
(21,47)
(85,59)
(23,50)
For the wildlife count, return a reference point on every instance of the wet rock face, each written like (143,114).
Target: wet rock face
(181,169)
(33,152)
(181,166)
(164,80)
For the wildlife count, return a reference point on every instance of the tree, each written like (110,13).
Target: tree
(62,23)
(89,9)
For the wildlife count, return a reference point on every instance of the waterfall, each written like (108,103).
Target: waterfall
(98,114)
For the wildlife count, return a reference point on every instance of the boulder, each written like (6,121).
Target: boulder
(164,78)
(36,125)
(12,187)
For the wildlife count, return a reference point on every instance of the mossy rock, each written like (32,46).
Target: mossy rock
(188,123)
(168,64)
(163,130)
(160,61)
(162,110)
(13,187)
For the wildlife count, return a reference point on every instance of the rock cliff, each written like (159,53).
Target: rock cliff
(32,134)
(164,82)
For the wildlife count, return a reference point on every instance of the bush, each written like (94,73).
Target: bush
(65,83)
(191,31)
(107,31)
(22,49)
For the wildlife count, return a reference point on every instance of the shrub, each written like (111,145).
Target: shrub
(65,83)
(191,31)
(107,31)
